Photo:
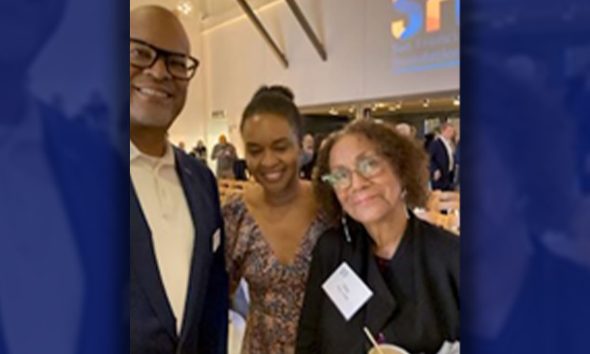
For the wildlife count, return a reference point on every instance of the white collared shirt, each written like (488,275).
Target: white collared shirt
(41,277)
(166,210)
(450,151)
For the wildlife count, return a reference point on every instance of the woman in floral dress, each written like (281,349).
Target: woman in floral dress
(272,228)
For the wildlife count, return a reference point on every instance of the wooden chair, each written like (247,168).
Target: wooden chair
(442,209)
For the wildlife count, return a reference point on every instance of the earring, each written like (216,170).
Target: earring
(345,227)
(403,196)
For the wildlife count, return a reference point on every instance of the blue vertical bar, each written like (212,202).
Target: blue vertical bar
(525,166)
(63,180)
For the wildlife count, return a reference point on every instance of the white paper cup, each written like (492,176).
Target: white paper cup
(388,349)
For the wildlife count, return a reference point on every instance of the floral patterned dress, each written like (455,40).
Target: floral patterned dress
(276,289)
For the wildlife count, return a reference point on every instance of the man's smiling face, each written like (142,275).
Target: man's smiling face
(156,98)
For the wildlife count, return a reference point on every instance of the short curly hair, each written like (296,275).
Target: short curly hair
(407,158)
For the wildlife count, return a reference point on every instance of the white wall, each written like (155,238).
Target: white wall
(357,38)
(235,61)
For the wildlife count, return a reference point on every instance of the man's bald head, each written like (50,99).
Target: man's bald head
(156,96)
(404,129)
(160,27)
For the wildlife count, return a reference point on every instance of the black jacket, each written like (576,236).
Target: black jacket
(204,327)
(415,302)
(439,160)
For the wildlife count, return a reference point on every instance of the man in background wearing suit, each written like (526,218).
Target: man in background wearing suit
(442,162)
(178,291)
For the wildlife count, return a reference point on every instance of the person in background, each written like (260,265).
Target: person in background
(178,283)
(442,155)
(241,170)
(428,139)
(182,146)
(200,152)
(308,156)
(404,129)
(225,154)
(369,178)
(273,227)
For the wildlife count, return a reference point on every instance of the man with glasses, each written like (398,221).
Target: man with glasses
(178,292)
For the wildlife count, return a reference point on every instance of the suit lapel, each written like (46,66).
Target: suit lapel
(445,156)
(143,256)
(196,200)
(143,261)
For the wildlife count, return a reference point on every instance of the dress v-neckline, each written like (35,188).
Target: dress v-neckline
(301,245)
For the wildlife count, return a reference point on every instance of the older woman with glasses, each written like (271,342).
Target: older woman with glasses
(382,270)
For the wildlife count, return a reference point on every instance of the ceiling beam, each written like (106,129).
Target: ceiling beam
(260,27)
(319,47)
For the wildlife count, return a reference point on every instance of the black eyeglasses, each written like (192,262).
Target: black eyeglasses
(143,55)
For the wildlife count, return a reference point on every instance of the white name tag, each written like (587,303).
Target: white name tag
(347,290)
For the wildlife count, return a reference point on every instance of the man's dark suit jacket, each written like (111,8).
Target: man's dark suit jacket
(153,325)
(439,160)
(414,305)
